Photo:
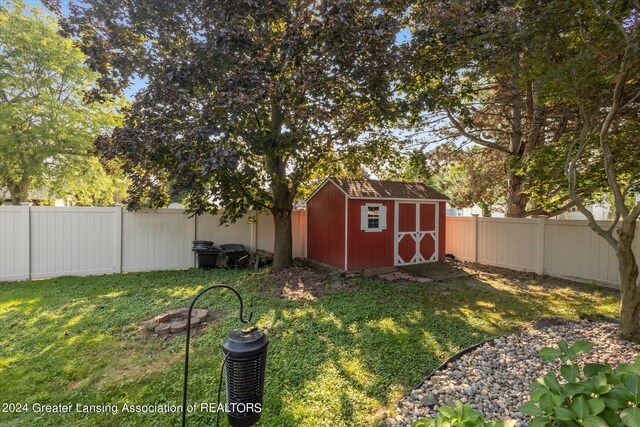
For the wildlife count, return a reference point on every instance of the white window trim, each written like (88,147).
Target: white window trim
(380,227)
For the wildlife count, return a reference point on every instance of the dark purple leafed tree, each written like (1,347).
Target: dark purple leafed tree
(245,99)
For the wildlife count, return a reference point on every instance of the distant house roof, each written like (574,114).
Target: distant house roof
(371,188)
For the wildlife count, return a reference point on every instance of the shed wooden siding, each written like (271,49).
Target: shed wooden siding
(442,237)
(325,225)
(373,249)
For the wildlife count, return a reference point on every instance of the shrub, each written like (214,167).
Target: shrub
(459,415)
(596,396)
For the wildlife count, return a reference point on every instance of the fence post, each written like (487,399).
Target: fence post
(474,243)
(117,242)
(542,220)
(26,216)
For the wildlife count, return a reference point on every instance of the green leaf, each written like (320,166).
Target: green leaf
(631,417)
(540,422)
(530,409)
(572,389)
(632,383)
(580,408)
(611,417)
(564,346)
(563,414)
(617,398)
(594,421)
(570,372)
(550,353)
(591,369)
(558,399)
(537,394)
(546,404)
(628,369)
(596,405)
(447,410)
(596,385)
(580,347)
(552,382)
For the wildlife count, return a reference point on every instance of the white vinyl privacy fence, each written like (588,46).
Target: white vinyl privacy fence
(560,248)
(39,242)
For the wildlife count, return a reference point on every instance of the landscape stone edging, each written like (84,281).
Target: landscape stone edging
(455,357)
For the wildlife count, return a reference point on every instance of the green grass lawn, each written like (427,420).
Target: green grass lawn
(341,358)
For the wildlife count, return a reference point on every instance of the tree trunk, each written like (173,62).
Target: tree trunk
(282,246)
(516,199)
(19,191)
(629,286)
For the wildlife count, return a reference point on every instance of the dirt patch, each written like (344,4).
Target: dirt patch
(522,278)
(127,367)
(547,322)
(133,370)
(303,283)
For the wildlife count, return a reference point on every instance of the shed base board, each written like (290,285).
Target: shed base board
(312,263)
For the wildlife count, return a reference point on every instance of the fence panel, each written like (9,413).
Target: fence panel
(559,248)
(66,241)
(14,243)
(265,232)
(299,230)
(157,240)
(241,231)
(460,238)
(573,250)
(506,242)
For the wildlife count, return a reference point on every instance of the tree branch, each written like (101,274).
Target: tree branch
(474,138)
(570,170)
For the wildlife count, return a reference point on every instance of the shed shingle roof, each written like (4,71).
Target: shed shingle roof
(371,188)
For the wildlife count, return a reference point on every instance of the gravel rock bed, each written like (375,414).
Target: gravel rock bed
(494,378)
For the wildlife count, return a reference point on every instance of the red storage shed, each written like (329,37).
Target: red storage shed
(356,224)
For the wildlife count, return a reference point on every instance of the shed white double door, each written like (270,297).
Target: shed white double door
(416,236)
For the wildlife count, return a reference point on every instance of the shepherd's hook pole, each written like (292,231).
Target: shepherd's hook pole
(186,353)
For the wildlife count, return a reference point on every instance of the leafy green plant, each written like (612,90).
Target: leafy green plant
(460,415)
(598,395)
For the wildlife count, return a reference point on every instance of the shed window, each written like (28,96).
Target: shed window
(373,217)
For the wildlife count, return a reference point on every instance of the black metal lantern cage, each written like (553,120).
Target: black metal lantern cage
(244,365)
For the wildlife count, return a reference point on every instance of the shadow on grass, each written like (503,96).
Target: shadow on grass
(341,359)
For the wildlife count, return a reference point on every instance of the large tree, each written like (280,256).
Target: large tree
(481,72)
(244,99)
(475,176)
(47,127)
(602,78)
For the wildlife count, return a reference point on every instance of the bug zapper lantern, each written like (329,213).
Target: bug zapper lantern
(244,364)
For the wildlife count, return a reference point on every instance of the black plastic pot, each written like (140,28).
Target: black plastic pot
(206,252)
(207,258)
